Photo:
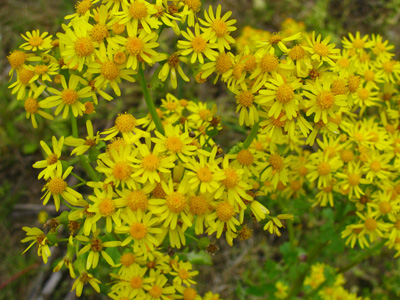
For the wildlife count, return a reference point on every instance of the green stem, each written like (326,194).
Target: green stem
(191,237)
(78,185)
(77,177)
(251,136)
(67,205)
(150,103)
(367,253)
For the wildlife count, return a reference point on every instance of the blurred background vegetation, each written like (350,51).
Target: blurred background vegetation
(236,270)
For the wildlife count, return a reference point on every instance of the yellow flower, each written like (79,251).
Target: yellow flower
(82,280)
(57,187)
(32,106)
(352,180)
(24,77)
(37,41)
(190,8)
(127,125)
(83,145)
(52,160)
(322,51)
(68,98)
(357,42)
(199,44)
(183,273)
(245,100)
(172,68)
(39,239)
(322,167)
(138,12)
(157,289)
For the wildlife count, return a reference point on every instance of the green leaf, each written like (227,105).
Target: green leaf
(199,258)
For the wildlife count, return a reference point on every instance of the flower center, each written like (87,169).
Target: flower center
(41,69)
(183,274)
(174,144)
(324,168)
(189,294)
(125,122)
(35,41)
(138,10)
(198,205)
(127,259)
(83,6)
(285,93)
(122,170)
(96,245)
(136,282)
(25,76)
(225,211)
(176,202)
(119,58)
(388,66)
(363,94)
(16,59)
(231,179)
(269,63)
(375,166)
(110,70)
(99,32)
(204,174)
(118,28)
(347,155)
(150,162)
(246,98)
(31,105)
(325,100)
(276,162)
(69,96)
(193,4)
(137,200)
(138,231)
(370,224)
(369,75)
(353,83)
(156,291)
(245,157)
(220,28)
(250,62)
(223,63)
(297,52)
(385,207)
(134,46)
(199,44)
(173,60)
(83,46)
(339,87)
(57,185)
(354,179)
(106,207)
(321,49)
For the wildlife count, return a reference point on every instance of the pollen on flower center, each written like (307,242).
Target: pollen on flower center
(276,162)
(223,63)
(176,202)
(321,49)
(269,63)
(204,114)
(370,224)
(231,179)
(136,282)
(96,245)
(246,98)
(69,96)
(250,62)
(183,274)
(369,75)
(83,46)
(353,83)
(110,70)
(25,76)
(297,52)
(193,4)
(137,200)
(354,179)
(363,94)
(138,231)
(174,144)
(99,32)
(31,105)
(83,6)
(134,45)
(198,205)
(204,174)
(199,44)
(324,168)
(57,185)
(52,159)
(119,58)
(16,59)
(173,60)
(127,259)
(358,43)
(41,69)
(284,93)
(35,41)
(245,157)
(106,207)
(122,170)
(385,207)
(388,66)
(125,122)
(325,100)
(138,10)
(339,87)
(219,28)
(150,162)
(156,291)
(375,166)
(225,211)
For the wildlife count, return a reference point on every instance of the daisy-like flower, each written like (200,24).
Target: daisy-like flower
(220,26)
(322,51)
(58,188)
(365,97)
(19,87)
(205,173)
(201,114)
(83,145)
(32,106)
(190,9)
(352,179)
(96,247)
(138,12)
(381,48)
(199,206)
(389,70)
(322,102)
(276,171)
(224,218)
(357,42)
(354,234)
(275,223)
(157,289)
(39,239)
(141,229)
(371,225)
(174,205)
(17,60)
(183,273)
(298,56)
(52,160)
(281,95)
(110,73)
(175,142)
(136,198)
(36,41)
(385,203)
(321,167)
(68,98)
(222,66)
(277,39)
(127,125)
(117,166)
(245,100)
(43,71)
(199,44)
(82,10)
(78,47)
(377,166)
(172,68)
(83,279)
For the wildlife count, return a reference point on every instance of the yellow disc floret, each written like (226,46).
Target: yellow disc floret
(150,162)
(110,70)
(99,32)
(134,45)
(325,100)
(174,144)
(125,122)
(138,10)
(246,98)
(57,185)
(138,231)
(199,44)
(204,174)
(106,207)
(176,202)
(284,93)
(69,96)
(31,105)
(245,157)
(16,59)
(225,211)
(198,205)
(137,200)
(324,168)
(276,162)
(83,46)
(122,170)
